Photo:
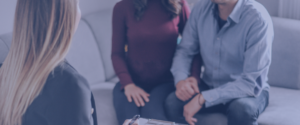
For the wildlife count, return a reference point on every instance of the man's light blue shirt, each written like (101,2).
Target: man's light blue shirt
(236,57)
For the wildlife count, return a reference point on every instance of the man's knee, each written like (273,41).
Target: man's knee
(242,111)
(174,108)
(172,102)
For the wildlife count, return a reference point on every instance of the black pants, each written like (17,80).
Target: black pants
(153,109)
(242,111)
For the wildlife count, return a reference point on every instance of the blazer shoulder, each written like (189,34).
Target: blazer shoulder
(64,78)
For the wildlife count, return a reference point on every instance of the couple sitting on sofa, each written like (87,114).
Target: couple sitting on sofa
(234,39)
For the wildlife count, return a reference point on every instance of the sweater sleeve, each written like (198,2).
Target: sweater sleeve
(118,45)
(184,15)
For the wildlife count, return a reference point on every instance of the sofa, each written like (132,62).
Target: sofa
(90,55)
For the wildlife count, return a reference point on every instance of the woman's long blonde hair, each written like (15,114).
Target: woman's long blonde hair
(42,34)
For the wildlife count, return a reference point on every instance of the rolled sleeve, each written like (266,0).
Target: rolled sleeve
(210,96)
(118,54)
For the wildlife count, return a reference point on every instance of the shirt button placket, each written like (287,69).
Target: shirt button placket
(218,50)
(215,51)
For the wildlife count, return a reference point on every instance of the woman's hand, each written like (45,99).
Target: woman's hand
(128,121)
(192,108)
(137,94)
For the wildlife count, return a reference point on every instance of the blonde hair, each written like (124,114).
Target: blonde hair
(42,34)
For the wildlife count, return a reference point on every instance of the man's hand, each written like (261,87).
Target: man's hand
(192,108)
(185,89)
(137,94)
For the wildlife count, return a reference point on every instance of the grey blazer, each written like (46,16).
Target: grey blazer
(66,99)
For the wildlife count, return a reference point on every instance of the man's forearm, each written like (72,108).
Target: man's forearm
(181,66)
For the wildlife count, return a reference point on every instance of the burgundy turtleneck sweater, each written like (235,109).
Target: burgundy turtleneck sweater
(151,43)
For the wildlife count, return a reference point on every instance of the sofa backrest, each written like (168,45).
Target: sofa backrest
(84,55)
(5,41)
(285,67)
(271,5)
(101,25)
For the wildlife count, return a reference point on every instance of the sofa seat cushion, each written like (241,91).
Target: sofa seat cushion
(283,109)
(84,55)
(104,103)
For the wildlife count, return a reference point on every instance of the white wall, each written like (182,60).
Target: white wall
(88,6)
(271,5)
(7,9)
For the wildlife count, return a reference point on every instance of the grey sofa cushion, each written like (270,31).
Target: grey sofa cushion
(84,55)
(5,41)
(285,67)
(271,5)
(101,25)
(104,104)
(283,108)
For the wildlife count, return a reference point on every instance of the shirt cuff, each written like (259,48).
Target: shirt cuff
(180,76)
(211,97)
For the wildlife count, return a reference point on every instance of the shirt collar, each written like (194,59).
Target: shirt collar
(237,11)
(235,14)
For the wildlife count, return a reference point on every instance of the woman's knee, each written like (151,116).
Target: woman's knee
(119,97)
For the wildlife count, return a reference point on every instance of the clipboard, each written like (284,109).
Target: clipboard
(144,121)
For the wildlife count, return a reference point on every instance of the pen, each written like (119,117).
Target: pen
(136,117)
